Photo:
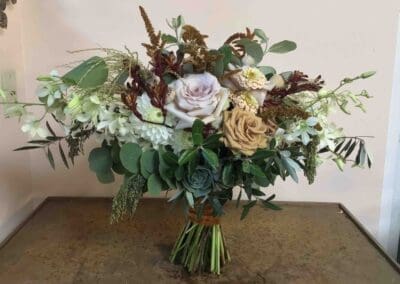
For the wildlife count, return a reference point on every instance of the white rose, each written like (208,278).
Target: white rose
(196,96)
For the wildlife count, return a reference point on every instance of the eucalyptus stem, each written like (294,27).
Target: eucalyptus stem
(20,103)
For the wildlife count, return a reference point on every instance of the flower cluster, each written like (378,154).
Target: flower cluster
(197,119)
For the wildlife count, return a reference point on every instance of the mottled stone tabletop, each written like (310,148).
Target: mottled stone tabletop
(70,240)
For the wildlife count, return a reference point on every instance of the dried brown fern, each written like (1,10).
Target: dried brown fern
(192,35)
(154,38)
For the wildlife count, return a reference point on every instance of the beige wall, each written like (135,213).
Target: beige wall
(335,38)
(15,174)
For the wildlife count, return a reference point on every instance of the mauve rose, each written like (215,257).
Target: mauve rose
(196,96)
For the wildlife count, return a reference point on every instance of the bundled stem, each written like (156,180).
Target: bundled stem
(201,245)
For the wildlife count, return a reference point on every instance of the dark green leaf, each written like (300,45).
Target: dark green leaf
(246,209)
(89,74)
(262,181)
(213,141)
(227,175)
(147,163)
(168,38)
(100,160)
(283,47)
(348,153)
(41,142)
(256,171)
(179,173)
(63,157)
(291,170)
(227,52)
(105,177)
(187,156)
(246,167)
(197,132)
(51,159)
(262,154)
(129,156)
(238,198)
(271,205)
(50,129)
(170,158)
(210,157)
(27,148)
(154,184)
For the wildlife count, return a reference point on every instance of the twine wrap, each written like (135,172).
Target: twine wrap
(207,218)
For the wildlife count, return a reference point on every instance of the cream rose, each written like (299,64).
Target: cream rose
(244,131)
(196,96)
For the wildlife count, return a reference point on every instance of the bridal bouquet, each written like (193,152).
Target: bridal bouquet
(196,120)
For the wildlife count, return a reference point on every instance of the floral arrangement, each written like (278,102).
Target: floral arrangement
(197,120)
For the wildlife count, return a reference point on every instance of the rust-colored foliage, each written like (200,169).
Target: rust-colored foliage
(297,82)
(233,42)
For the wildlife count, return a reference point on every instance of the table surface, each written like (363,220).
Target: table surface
(70,240)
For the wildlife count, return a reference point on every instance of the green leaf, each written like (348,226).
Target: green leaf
(261,35)
(51,159)
(100,160)
(129,156)
(227,52)
(246,209)
(246,166)
(121,78)
(267,70)
(89,74)
(239,197)
(256,171)
(262,181)
(187,156)
(271,205)
(211,157)
(27,148)
(227,175)
(213,141)
(291,170)
(50,129)
(197,132)
(154,184)
(40,142)
(105,177)
(63,157)
(262,154)
(147,163)
(168,38)
(252,48)
(118,168)
(179,173)
(170,158)
(282,47)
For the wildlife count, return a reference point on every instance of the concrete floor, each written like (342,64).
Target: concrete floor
(71,241)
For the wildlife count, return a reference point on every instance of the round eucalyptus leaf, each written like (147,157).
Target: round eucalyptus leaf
(105,177)
(100,160)
(129,155)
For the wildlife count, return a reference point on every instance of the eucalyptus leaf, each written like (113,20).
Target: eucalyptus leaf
(129,156)
(100,160)
(154,184)
(252,48)
(282,47)
(106,176)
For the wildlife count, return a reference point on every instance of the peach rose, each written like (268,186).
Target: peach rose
(244,131)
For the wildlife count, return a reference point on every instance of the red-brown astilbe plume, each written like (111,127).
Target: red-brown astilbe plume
(233,42)
(297,82)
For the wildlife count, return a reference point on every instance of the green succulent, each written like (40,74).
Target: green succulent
(200,182)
